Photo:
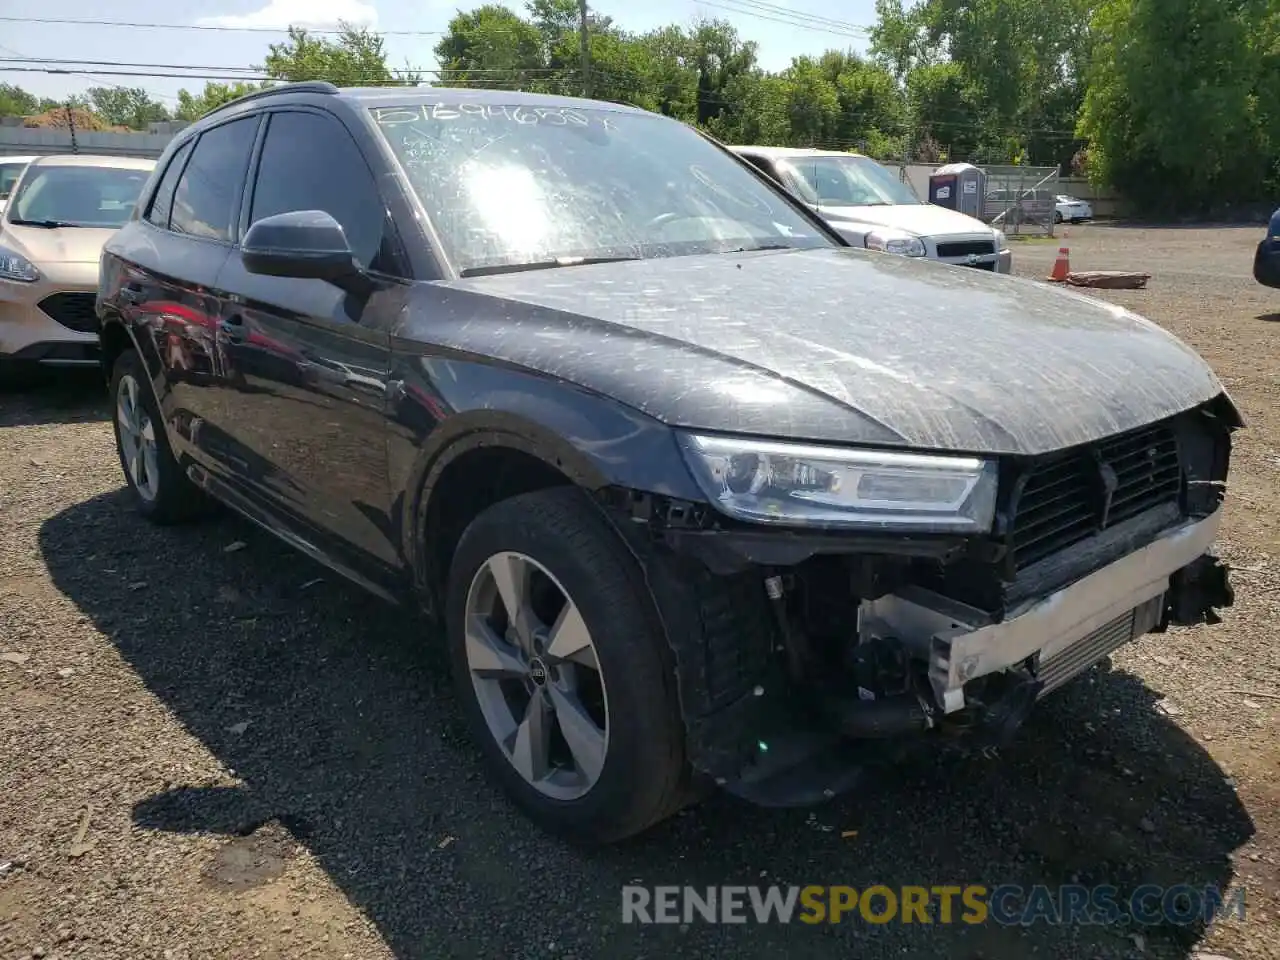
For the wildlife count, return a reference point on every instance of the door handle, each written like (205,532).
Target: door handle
(233,328)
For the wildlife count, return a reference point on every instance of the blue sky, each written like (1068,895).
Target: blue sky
(778,41)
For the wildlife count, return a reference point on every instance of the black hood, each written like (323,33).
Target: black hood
(837,345)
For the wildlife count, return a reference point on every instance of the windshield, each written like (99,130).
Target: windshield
(846,182)
(9,174)
(77,196)
(515,185)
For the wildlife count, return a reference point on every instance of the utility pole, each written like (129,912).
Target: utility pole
(584,41)
(71,126)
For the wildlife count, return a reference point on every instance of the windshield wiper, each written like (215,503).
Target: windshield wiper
(539,265)
(763,246)
(47,224)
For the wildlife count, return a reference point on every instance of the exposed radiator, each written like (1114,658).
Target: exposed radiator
(1080,656)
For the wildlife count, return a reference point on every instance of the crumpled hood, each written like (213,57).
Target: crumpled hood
(59,245)
(924,219)
(918,352)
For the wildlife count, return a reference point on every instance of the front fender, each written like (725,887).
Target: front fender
(443,408)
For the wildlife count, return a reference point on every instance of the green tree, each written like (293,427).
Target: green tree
(17,102)
(1003,77)
(357,57)
(132,107)
(1181,105)
(193,106)
(494,47)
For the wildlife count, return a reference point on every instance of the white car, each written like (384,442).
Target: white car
(10,170)
(1071,209)
(869,206)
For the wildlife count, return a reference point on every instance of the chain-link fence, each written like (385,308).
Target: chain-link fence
(1022,200)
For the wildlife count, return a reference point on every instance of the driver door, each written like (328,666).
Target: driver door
(305,363)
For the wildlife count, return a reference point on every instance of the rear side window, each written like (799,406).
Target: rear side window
(209,190)
(162,202)
(310,162)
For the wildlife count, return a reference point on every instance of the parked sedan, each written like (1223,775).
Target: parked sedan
(1070,209)
(700,493)
(61,211)
(1266,261)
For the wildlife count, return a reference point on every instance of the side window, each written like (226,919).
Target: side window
(209,191)
(162,201)
(310,162)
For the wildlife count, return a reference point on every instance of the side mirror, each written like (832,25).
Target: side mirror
(305,244)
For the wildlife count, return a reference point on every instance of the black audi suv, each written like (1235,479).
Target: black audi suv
(700,494)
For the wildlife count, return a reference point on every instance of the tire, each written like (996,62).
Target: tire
(172,498)
(644,777)
(1057,216)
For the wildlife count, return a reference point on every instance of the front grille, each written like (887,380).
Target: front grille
(1069,499)
(963,248)
(75,311)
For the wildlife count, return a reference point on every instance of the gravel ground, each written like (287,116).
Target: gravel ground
(210,748)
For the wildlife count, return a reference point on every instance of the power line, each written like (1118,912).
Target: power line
(564,76)
(217,28)
(65,62)
(91,76)
(787,13)
(801,24)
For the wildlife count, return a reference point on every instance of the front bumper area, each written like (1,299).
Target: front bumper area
(1266,263)
(781,744)
(28,334)
(1057,631)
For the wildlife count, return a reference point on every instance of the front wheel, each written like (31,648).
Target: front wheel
(161,491)
(562,669)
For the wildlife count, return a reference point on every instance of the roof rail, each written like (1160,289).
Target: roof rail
(301,86)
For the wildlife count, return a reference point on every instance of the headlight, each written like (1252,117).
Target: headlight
(895,241)
(796,484)
(1001,242)
(13,266)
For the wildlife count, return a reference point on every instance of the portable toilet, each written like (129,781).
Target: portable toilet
(959,186)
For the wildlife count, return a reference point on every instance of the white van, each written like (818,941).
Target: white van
(871,207)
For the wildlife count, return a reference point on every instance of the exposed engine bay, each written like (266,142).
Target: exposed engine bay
(810,648)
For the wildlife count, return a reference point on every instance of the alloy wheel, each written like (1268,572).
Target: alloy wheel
(536,675)
(137,434)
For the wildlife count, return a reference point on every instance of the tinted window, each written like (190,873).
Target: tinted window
(78,196)
(209,191)
(310,162)
(508,185)
(162,202)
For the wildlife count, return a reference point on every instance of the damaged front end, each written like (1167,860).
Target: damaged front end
(802,657)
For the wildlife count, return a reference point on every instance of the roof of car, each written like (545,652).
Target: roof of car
(403,96)
(397,95)
(8,159)
(94,160)
(779,152)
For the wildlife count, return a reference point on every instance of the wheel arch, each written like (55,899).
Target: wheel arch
(489,459)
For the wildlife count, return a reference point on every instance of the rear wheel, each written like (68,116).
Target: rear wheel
(161,491)
(562,671)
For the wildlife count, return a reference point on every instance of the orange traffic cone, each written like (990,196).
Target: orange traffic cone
(1061,266)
